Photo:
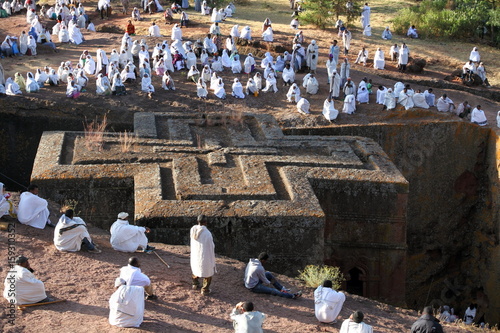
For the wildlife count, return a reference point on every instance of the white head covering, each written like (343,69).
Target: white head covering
(122,215)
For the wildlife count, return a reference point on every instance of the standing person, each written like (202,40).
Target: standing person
(71,232)
(365,16)
(246,320)
(328,303)
(355,324)
(427,323)
(334,51)
(21,286)
(312,56)
(133,276)
(128,238)
(33,210)
(256,278)
(202,255)
(346,38)
(404,54)
(345,71)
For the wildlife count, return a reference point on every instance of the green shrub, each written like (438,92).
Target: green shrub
(314,275)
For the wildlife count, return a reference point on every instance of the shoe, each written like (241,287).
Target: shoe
(195,287)
(297,294)
(285,290)
(151,297)
(46,299)
(149,249)
(205,292)
(95,250)
(49,224)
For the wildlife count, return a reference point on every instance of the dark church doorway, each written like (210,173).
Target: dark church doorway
(355,284)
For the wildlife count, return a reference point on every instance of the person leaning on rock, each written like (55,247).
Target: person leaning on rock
(427,323)
(129,238)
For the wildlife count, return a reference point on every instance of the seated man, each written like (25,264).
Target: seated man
(22,287)
(328,303)
(355,324)
(427,323)
(71,232)
(6,205)
(256,278)
(463,110)
(445,104)
(412,32)
(128,238)
(133,276)
(245,319)
(126,305)
(33,210)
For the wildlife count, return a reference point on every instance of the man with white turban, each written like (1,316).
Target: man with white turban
(128,238)
(202,256)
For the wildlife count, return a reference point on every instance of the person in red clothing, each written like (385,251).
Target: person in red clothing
(130,28)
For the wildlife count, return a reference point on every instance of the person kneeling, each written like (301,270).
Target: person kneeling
(71,232)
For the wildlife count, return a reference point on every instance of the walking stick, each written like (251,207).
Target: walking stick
(163,261)
(23,306)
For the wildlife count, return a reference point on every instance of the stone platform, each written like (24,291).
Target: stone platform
(303,199)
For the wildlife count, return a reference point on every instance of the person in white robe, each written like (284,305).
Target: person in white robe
(345,71)
(133,276)
(363,96)
(294,23)
(349,87)
(71,232)
(226,61)
(219,89)
(312,56)
(474,55)
(381,94)
(329,111)
(214,80)
(146,85)
(346,39)
(176,32)
(23,42)
(193,74)
(293,94)
(75,36)
(126,305)
(394,52)
(33,210)
(445,104)
(406,98)
(251,88)
(103,86)
(355,324)
(245,319)
(102,62)
(201,89)
(398,88)
(335,85)
(419,100)
(498,119)
(478,116)
(249,64)
(312,85)
(246,33)
(235,32)
(31,84)
(288,75)
(154,30)
(21,286)
(389,100)
(12,88)
(303,106)
(202,257)
(128,238)
(404,54)
(258,80)
(214,29)
(167,82)
(42,76)
(6,205)
(32,45)
(237,89)
(268,59)
(63,35)
(379,59)
(206,74)
(118,88)
(236,65)
(331,65)
(349,104)
(362,56)
(367,31)
(327,302)
(412,32)
(268,35)
(271,82)
(387,34)
(365,16)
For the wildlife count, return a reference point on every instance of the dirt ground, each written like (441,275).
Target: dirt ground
(85,280)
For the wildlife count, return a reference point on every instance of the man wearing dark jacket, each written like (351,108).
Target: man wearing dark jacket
(427,323)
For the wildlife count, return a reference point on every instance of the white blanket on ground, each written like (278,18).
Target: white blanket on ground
(33,210)
(126,306)
(126,237)
(202,252)
(70,240)
(22,287)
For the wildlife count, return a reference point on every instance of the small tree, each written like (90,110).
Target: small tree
(314,275)
(322,13)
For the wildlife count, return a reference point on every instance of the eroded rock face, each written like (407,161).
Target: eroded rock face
(304,199)
(453,209)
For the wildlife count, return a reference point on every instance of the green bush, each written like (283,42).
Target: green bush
(314,275)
